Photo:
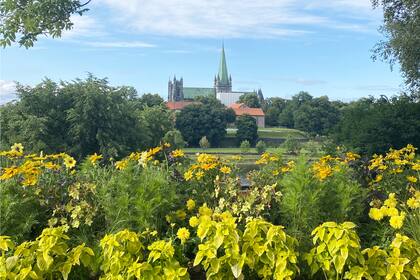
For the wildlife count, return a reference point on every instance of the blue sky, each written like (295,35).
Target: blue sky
(281,46)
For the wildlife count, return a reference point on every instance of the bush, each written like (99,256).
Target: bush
(245,146)
(204,143)
(136,199)
(291,145)
(261,147)
(174,137)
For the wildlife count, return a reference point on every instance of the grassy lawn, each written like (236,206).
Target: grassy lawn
(225,150)
(273,132)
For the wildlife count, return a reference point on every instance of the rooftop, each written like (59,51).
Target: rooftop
(241,109)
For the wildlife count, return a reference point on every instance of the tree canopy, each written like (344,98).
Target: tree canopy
(374,125)
(402,32)
(82,117)
(247,129)
(198,120)
(22,21)
(250,99)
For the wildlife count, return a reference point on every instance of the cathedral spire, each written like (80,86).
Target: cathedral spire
(223,73)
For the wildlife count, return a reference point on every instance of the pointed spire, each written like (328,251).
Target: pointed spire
(223,73)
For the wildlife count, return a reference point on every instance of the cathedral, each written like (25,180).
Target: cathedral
(222,88)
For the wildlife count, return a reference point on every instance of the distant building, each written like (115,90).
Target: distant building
(222,88)
(241,109)
(178,105)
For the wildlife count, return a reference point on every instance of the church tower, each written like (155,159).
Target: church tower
(223,82)
(176,90)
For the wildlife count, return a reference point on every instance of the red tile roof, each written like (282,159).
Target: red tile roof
(178,105)
(241,109)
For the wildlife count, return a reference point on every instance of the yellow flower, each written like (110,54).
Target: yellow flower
(378,178)
(94,158)
(17,147)
(183,234)
(52,166)
(199,175)
(412,179)
(190,204)
(376,214)
(178,153)
(30,181)
(208,166)
(121,165)
(265,157)
(391,212)
(225,169)
(351,156)
(167,145)
(194,221)
(69,162)
(180,214)
(188,175)
(397,221)
(416,166)
(391,202)
(9,172)
(204,210)
(413,203)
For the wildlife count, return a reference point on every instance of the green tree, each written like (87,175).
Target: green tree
(272,108)
(261,147)
(198,120)
(247,129)
(23,21)
(150,100)
(174,137)
(230,115)
(372,125)
(402,31)
(317,116)
(250,99)
(159,120)
(204,143)
(245,146)
(81,117)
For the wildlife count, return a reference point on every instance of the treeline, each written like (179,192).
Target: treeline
(88,116)
(84,117)
(368,125)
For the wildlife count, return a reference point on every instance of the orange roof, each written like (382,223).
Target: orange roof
(178,105)
(241,109)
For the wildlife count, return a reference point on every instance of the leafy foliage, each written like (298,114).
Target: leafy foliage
(30,19)
(381,124)
(261,147)
(250,99)
(198,120)
(147,217)
(247,129)
(82,117)
(401,29)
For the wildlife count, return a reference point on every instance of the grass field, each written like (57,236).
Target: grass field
(274,132)
(234,151)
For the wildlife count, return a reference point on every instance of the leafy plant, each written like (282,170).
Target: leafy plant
(245,146)
(48,257)
(261,147)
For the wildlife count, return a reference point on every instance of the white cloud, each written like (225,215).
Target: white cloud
(120,44)
(83,26)
(240,18)
(7,91)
